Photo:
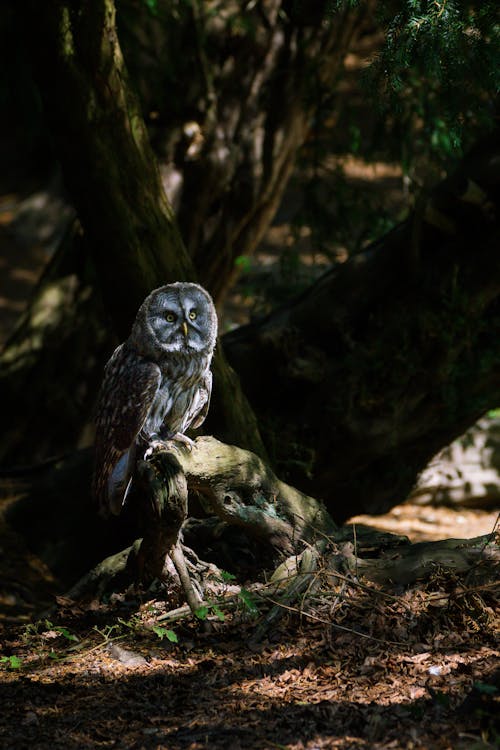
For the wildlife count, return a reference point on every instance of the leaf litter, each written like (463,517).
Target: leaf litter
(353,664)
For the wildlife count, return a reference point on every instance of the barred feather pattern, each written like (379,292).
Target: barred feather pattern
(156,385)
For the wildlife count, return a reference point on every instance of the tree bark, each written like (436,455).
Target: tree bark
(113,178)
(112,175)
(110,170)
(360,381)
(228,482)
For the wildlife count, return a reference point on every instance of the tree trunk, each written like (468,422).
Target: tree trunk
(388,357)
(224,481)
(230,192)
(130,232)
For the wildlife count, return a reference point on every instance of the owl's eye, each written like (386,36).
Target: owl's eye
(193,315)
(170,317)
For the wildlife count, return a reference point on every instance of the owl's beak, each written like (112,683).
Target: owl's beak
(185,328)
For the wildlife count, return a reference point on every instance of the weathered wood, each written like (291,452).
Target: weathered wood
(419,561)
(240,488)
(163,496)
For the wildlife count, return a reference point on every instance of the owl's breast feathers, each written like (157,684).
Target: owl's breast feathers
(140,396)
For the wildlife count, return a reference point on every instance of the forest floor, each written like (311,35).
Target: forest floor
(351,667)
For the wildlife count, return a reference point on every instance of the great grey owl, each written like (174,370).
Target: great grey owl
(156,385)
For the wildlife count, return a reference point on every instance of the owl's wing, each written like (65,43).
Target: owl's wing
(201,401)
(129,386)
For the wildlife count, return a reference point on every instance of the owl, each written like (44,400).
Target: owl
(156,385)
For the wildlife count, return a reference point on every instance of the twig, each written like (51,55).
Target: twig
(336,625)
(308,565)
(193,599)
(370,590)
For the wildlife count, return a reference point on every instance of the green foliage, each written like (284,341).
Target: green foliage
(152,6)
(243,263)
(218,612)
(11,662)
(162,633)
(47,628)
(248,601)
(66,633)
(203,612)
(227,576)
(437,75)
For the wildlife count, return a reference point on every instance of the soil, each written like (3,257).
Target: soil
(349,667)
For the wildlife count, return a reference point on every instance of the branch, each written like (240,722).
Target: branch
(238,487)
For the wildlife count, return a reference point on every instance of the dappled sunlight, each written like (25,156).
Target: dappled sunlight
(329,174)
(306,685)
(424,523)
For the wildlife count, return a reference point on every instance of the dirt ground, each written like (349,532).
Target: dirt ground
(358,667)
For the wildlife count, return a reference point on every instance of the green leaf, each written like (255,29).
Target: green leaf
(12,662)
(165,633)
(227,576)
(65,632)
(152,6)
(243,262)
(249,602)
(218,611)
(202,612)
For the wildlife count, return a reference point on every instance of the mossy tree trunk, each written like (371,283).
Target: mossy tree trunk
(131,238)
(253,117)
(109,167)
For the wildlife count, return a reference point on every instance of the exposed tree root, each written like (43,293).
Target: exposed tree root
(241,491)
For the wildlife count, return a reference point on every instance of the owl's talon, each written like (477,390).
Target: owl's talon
(154,447)
(184,440)
(172,443)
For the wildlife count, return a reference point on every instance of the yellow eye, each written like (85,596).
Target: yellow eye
(170,317)
(192,315)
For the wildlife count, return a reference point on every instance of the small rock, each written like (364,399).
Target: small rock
(129,658)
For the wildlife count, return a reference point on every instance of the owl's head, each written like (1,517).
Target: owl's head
(178,317)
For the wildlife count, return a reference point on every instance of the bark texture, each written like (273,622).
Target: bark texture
(130,231)
(358,383)
(230,145)
(228,482)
